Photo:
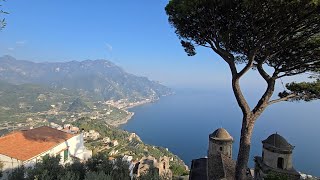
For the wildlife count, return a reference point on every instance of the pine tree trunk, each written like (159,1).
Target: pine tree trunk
(249,118)
(244,149)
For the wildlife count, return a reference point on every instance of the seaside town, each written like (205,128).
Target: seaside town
(70,143)
(113,112)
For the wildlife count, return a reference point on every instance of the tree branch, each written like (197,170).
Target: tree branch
(263,102)
(303,68)
(249,64)
(229,58)
(282,99)
(262,72)
(243,104)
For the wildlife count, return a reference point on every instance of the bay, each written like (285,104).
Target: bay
(182,123)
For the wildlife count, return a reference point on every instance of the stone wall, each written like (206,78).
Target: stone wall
(271,159)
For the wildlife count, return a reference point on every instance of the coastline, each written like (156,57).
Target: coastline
(140,103)
(132,105)
(122,121)
(130,114)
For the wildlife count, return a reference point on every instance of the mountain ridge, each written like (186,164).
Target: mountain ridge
(100,78)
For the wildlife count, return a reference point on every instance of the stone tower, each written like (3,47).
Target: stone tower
(164,168)
(220,142)
(276,158)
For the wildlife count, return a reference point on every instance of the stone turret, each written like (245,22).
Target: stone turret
(277,152)
(220,142)
(276,158)
(219,164)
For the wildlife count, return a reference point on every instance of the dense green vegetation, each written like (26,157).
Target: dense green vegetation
(273,176)
(78,106)
(97,168)
(306,91)
(43,105)
(178,170)
(133,147)
(31,98)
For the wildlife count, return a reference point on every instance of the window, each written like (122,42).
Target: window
(221,148)
(280,162)
(66,154)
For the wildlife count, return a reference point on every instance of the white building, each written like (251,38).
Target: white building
(29,146)
(114,143)
(127,158)
(92,134)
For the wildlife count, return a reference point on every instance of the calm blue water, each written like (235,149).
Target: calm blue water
(182,123)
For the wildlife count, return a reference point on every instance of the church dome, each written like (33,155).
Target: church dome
(277,142)
(221,135)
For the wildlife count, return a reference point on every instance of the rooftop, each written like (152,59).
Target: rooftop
(277,142)
(221,134)
(23,145)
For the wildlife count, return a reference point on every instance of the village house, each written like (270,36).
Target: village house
(127,158)
(106,140)
(92,134)
(27,147)
(70,129)
(114,143)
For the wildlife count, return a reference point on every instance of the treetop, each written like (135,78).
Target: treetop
(282,34)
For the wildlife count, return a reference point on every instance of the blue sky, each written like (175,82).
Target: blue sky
(134,34)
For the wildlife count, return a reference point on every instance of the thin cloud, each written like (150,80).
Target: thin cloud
(109,47)
(21,43)
(11,49)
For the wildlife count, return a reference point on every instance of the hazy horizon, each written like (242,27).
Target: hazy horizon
(133,35)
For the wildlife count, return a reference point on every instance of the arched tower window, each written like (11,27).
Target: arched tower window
(280,162)
(221,148)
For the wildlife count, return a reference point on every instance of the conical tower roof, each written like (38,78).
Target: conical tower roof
(275,141)
(221,135)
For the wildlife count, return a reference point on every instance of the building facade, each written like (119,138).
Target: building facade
(27,147)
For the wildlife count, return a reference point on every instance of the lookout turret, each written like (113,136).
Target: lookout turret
(276,158)
(220,142)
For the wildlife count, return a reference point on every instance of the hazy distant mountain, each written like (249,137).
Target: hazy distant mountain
(78,106)
(97,78)
(31,98)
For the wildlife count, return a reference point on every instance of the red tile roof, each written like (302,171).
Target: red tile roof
(24,145)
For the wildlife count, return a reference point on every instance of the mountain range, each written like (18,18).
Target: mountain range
(98,79)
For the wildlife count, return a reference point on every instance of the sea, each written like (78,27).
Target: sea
(182,123)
